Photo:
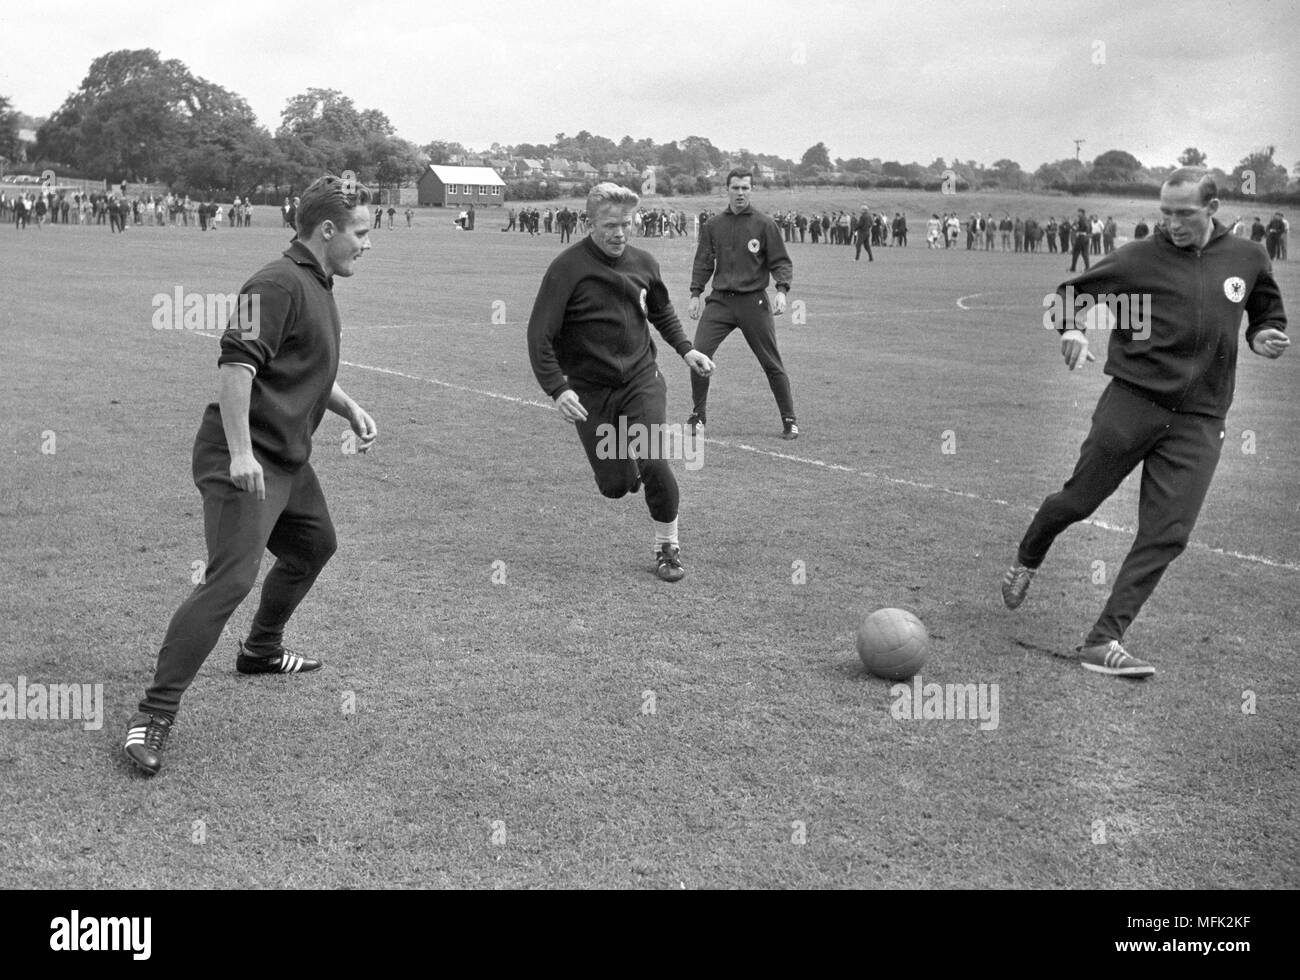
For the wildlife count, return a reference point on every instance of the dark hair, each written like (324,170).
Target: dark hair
(740,172)
(328,198)
(1195,175)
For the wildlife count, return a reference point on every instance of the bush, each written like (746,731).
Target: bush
(527,189)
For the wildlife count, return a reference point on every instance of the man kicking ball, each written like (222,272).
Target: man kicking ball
(1173,371)
(591,351)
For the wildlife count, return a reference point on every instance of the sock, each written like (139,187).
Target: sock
(665,533)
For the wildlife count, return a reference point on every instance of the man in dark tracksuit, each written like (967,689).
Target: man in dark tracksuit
(1275,231)
(1082,239)
(740,249)
(591,351)
(1173,380)
(278,362)
(864,230)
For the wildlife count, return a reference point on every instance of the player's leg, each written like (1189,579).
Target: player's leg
(759,329)
(1176,477)
(645,406)
(1124,427)
(303,541)
(237,526)
(615,470)
(717,320)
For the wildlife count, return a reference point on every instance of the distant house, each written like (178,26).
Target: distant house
(584,170)
(528,167)
(620,169)
(558,166)
(447,187)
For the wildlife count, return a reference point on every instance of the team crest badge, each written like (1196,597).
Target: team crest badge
(1234,288)
(754,245)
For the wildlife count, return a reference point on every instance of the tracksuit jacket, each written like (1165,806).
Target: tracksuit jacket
(1197,296)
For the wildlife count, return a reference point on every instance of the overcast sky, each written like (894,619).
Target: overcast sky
(904,79)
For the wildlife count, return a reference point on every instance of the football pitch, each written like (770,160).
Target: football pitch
(512,699)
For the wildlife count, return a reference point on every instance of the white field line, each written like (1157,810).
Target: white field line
(818,463)
(834,467)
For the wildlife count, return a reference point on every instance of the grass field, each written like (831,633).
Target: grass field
(511,699)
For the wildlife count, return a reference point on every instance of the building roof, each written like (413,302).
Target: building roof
(466,175)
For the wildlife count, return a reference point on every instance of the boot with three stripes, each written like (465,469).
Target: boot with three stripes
(281,662)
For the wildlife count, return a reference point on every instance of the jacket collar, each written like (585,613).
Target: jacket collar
(301,254)
(1220,229)
(598,253)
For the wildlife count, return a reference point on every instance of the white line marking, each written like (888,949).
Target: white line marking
(453,387)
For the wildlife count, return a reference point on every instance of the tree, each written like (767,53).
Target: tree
(1050,175)
(322,131)
(699,155)
(391,160)
(1191,157)
(136,116)
(9,147)
(441,151)
(533,151)
(1115,167)
(815,158)
(1008,173)
(1258,174)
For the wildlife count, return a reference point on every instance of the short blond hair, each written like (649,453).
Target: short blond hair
(608,192)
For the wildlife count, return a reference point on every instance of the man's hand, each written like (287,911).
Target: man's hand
(780,303)
(1270,343)
(699,363)
(571,409)
(1074,348)
(364,426)
(693,308)
(246,473)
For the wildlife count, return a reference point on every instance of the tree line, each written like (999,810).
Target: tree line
(137,117)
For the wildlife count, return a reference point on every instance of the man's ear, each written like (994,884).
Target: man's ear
(1212,207)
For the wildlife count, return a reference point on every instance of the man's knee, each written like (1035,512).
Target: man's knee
(309,553)
(226,585)
(321,548)
(615,484)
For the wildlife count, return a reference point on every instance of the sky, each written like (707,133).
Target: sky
(906,80)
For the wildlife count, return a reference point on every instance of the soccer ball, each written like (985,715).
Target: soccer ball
(893,643)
